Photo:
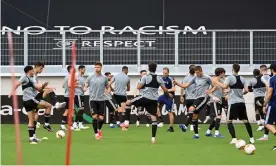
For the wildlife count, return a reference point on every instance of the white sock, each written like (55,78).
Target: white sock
(265,136)
(152,138)
(75,124)
(196,135)
(252,140)
(31,138)
(216,132)
(262,121)
(258,122)
(62,126)
(208,131)
(46,124)
(34,135)
(127,122)
(96,135)
(234,139)
(117,122)
(80,123)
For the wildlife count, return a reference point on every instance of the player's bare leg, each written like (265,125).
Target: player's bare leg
(154,128)
(64,120)
(159,116)
(95,126)
(31,128)
(47,115)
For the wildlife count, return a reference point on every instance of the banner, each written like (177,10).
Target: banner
(7,112)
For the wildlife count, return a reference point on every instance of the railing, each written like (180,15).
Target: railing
(139,47)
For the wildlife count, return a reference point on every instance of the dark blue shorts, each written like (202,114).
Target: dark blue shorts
(271,114)
(169,102)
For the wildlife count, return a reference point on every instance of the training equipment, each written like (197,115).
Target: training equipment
(60,134)
(249,149)
(240,144)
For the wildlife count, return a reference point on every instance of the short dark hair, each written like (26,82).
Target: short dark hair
(107,73)
(219,71)
(262,66)
(124,68)
(256,72)
(192,69)
(198,68)
(236,67)
(152,67)
(223,70)
(28,68)
(98,63)
(69,68)
(166,68)
(81,67)
(39,64)
(142,71)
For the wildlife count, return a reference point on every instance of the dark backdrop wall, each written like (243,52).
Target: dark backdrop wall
(214,14)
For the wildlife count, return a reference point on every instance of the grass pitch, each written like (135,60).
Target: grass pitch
(134,147)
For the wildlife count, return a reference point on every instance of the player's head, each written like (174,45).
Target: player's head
(29,70)
(198,71)
(263,69)
(152,67)
(39,66)
(69,68)
(98,67)
(125,69)
(272,68)
(256,72)
(81,69)
(220,72)
(236,68)
(108,75)
(166,72)
(223,72)
(143,73)
(192,69)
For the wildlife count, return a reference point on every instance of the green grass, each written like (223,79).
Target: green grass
(134,147)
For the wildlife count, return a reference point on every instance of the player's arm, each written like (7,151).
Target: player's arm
(70,79)
(107,87)
(269,93)
(17,84)
(245,88)
(250,86)
(223,85)
(111,82)
(182,85)
(212,89)
(173,86)
(182,95)
(128,85)
(63,84)
(87,83)
(39,87)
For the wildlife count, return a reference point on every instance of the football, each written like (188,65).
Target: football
(60,134)
(240,144)
(250,149)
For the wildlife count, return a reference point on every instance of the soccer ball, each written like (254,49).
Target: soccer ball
(60,134)
(249,149)
(147,125)
(240,144)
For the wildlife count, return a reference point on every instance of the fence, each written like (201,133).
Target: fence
(139,47)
